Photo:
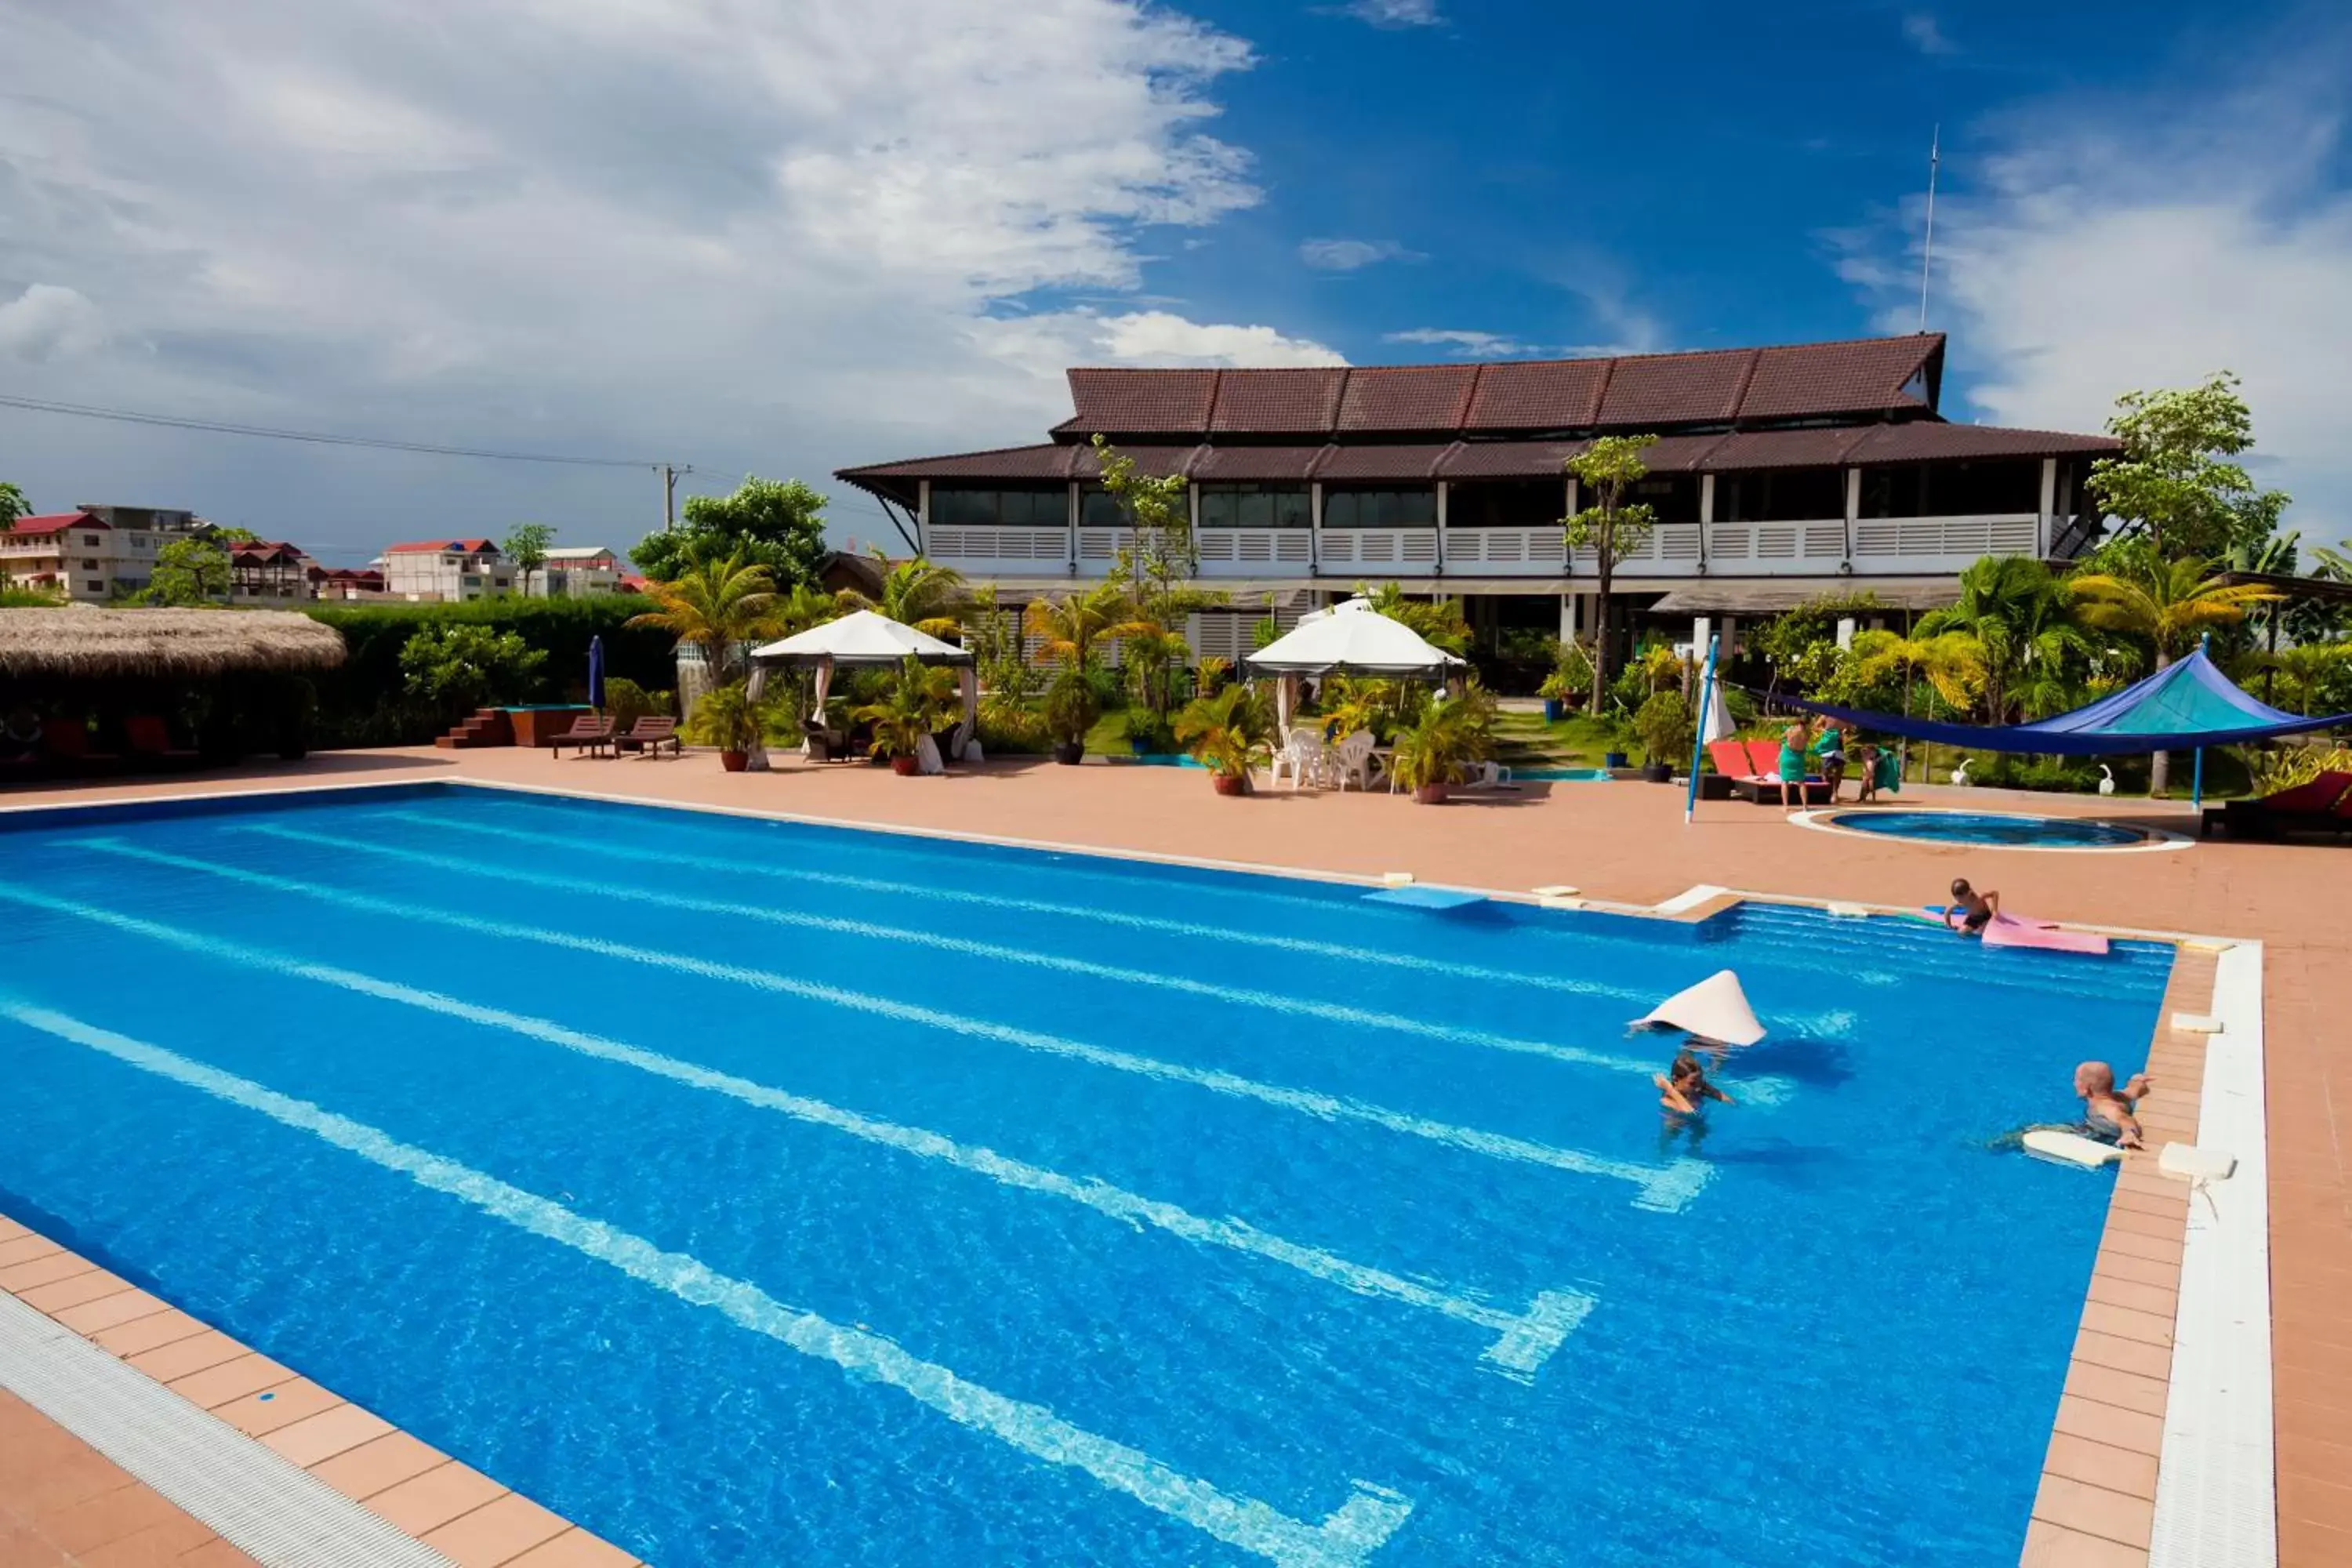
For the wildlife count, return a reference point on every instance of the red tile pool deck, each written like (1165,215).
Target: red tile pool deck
(1619,843)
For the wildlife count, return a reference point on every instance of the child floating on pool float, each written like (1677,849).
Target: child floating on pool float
(1682,1088)
(1974,911)
(2107,1110)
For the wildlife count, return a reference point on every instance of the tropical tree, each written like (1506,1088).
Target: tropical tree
(2029,643)
(2318,676)
(1162,554)
(1611,528)
(717,605)
(13,504)
(1228,731)
(2177,482)
(526,548)
(189,572)
(1069,627)
(2168,606)
(919,699)
(463,665)
(916,592)
(778,524)
(1437,622)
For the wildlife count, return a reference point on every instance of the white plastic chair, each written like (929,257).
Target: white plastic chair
(1492,775)
(1352,759)
(1301,757)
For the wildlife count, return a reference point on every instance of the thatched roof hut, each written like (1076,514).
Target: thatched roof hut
(80,643)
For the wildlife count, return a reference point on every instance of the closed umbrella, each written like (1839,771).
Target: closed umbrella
(596,673)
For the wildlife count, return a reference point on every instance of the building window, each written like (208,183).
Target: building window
(1508,503)
(1780,495)
(1031,507)
(1994,488)
(93,587)
(1379,509)
(1673,497)
(90,565)
(1257,506)
(89,541)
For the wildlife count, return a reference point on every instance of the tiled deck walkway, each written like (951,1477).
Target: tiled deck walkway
(1626,842)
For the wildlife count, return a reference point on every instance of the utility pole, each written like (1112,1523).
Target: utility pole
(669,473)
(1928,250)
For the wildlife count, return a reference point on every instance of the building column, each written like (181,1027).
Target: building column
(1072,515)
(922,517)
(2049,505)
(1567,626)
(1442,488)
(1705,515)
(1314,529)
(1730,635)
(1852,509)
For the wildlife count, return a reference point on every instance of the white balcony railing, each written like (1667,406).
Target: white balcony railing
(1878,538)
(1050,545)
(1242,552)
(1380,547)
(1545,550)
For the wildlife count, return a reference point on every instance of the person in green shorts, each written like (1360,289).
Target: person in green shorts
(1794,744)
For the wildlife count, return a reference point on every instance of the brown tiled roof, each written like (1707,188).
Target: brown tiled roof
(1652,390)
(1238,465)
(1811,379)
(1277,402)
(1141,401)
(1413,397)
(1422,462)
(1541,395)
(1358,465)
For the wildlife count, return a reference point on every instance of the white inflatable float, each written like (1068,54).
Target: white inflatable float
(2070,1148)
(1714,1009)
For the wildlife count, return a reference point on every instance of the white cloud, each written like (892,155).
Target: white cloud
(788,237)
(1464,343)
(48,322)
(2101,254)
(1925,35)
(1395,13)
(1351,255)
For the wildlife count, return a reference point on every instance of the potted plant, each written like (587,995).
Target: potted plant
(1071,708)
(1148,734)
(1228,732)
(918,701)
(1556,694)
(1430,751)
(727,718)
(1664,725)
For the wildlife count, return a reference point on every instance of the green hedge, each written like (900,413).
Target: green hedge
(362,703)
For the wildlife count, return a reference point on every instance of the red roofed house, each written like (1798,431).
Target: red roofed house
(446,569)
(1782,474)
(93,553)
(267,572)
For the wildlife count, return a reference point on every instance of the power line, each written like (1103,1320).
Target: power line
(174,422)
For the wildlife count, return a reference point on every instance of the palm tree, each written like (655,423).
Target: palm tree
(2028,643)
(915,591)
(717,605)
(2307,668)
(2169,604)
(1072,624)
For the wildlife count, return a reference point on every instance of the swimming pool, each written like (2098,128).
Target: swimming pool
(1997,830)
(761,1193)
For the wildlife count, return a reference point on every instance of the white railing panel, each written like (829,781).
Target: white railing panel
(1381,547)
(1545,549)
(1238,552)
(1962,537)
(1048,544)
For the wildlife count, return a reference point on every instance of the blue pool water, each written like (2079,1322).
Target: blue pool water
(764,1194)
(1992,828)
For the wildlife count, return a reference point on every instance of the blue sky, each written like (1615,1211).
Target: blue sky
(786,237)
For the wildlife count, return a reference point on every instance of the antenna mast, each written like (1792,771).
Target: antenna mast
(1927,251)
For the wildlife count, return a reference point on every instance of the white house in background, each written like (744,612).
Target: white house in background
(1780,474)
(450,570)
(93,552)
(575,569)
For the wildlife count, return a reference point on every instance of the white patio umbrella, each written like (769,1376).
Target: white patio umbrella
(865,638)
(1350,636)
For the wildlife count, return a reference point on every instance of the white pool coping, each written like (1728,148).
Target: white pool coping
(2158,839)
(245,1491)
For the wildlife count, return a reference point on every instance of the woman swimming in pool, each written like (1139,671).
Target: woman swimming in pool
(1973,911)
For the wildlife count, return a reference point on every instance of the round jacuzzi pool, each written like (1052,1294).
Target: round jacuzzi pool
(1994,830)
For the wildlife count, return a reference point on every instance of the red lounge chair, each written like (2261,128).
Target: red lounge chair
(68,740)
(2317,803)
(1762,783)
(150,740)
(591,732)
(649,734)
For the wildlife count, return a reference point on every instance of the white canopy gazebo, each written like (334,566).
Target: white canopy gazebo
(865,638)
(1350,638)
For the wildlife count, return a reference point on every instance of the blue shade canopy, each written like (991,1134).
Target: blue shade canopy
(2178,708)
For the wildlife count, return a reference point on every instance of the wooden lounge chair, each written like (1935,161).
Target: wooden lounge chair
(591,732)
(151,741)
(649,734)
(824,744)
(2320,803)
(68,741)
(1760,781)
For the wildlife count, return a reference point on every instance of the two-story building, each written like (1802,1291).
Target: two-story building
(265,571)
(1780,474)
(574,571)
(450,570)
(93,553)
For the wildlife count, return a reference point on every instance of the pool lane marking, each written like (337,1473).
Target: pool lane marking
(1524,1340)
(1345,1539)
(1330,1011)
(1819,1025)
(1667,1188)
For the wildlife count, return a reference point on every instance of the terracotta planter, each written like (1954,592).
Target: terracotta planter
(1229,784)
(906,767)
(734,762)
(1430,793)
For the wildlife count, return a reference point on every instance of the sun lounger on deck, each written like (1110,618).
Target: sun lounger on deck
(649,734)
(2324,804)
(1754,768)
(151,741)
(67,742)
(591,732)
